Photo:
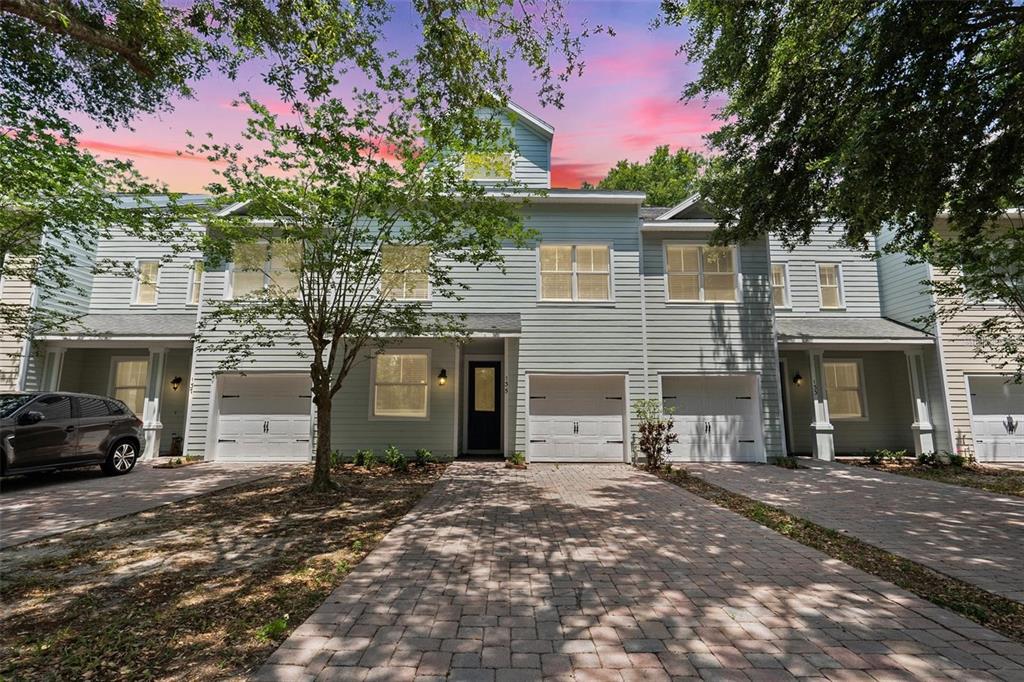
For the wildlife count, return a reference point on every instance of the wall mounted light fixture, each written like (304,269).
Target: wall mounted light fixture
(175,383)
(442,377)
(798,380)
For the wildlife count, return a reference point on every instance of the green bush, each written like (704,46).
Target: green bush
(517,458)
(337,459)
(786,462)
(895,456)
(927,459)
(394,458)
(365,458)
(424,457)
(655,431)
(875,457)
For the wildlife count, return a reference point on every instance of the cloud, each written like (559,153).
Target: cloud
(138,150)
(639,60)
(662,120)
(569,174)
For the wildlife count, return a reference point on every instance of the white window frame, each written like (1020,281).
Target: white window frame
(576,300)
(137,280)
(787,300)
(195,286)
(737,278)
(839,283)
(430,285)
(494,181)
(111,387)
(229,284)
(862,389)
(373,384)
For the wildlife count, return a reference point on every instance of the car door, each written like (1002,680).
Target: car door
(51,440)
(94,424)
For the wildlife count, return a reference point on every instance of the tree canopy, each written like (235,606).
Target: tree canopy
(666,177)
(861,112)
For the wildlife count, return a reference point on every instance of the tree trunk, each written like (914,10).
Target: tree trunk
(322,467)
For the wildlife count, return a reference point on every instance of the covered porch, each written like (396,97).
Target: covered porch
(854,386)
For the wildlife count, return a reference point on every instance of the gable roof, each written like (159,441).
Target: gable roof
(690,207)
(533,121)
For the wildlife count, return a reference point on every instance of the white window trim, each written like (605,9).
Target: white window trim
(575,300)
(373,384)
(138,280)
(512,158)
(737,277)
(430,285)
(839,281)
(229,283)
(863,389)
(114,360)
(787,302)
(195,289)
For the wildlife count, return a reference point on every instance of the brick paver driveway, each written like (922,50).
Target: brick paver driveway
(33,507)
(963,532)
(601,572)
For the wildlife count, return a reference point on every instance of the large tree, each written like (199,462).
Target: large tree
(667,178)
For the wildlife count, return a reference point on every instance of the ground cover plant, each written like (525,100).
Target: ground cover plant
(957,471)
(985,608)
(205,588)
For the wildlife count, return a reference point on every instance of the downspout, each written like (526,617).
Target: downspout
(777,362)
(643,312)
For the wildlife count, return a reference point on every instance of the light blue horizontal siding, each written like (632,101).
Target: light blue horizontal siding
(902,295)
(533,157)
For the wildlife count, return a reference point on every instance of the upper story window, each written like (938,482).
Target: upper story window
(844,386)
(400,385)
(830,285)
(575,272)
(196,282)
(700,273)
(147,273)
(405,272)
(487,166)
(780,285)
(257,267)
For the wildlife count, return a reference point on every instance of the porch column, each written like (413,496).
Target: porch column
(151,424)
(922,428)
(52,369)
(821,427)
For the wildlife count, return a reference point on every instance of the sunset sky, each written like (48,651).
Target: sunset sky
(626,102)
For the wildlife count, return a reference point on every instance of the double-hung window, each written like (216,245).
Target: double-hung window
(700,273)
(487,166)
(256,266)
(196,282)
(575,272)
(401,385)
(405,272)
(830,285)
(146,274)
(128,381)
(780,285)
(844,386)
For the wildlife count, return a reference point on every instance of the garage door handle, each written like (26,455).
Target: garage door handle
(226,440)
(614,441)
(747,441)
(306,440)
(538,440)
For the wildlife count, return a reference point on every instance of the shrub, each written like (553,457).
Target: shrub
(273,629)
(423,457)
(365,458)
(786,462)
(517,458)
(394,458)
(655,427)
(875,457)
(895,456)
(337,459)
(927,459)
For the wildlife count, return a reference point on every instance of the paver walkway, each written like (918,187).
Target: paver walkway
(600,572)
(970,534)
(33,507)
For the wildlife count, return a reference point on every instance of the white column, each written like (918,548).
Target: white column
(924,431)
(821,427)
(151,424)
(53,368)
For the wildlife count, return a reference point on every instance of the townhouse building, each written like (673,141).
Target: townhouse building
(759,351)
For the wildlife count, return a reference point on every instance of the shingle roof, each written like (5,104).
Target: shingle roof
(651,212)
(841,327)
(493,322)
(135,324)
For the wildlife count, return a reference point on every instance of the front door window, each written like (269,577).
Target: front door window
(483,426)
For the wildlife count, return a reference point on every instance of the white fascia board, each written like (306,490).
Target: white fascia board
(233,208)
(679,225)
(555,196)
(682,205)
(532,120)
(789,343)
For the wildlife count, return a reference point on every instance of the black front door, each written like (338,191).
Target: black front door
(483,407)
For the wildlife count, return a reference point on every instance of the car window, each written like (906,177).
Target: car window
(54,407)
(115,407)
(10,402)
(90,408)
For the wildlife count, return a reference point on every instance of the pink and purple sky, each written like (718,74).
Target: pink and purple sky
(626,103)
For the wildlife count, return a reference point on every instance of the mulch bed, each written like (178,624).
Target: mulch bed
(993,479)
(985,608)
(205,588)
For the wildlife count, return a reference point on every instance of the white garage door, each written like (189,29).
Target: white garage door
(263,417)
(576,418)
(997,410)
(717,418)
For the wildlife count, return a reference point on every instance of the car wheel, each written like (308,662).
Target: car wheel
(121,459)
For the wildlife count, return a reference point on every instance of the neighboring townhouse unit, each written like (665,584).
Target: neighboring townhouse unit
(759,351)
(984,406)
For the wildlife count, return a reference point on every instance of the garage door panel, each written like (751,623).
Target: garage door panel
(576,418)
(263,418)
(997,413)
(716,417)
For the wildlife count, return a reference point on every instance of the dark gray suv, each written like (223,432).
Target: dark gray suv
(41,431)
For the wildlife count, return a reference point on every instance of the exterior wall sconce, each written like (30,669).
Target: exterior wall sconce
(175,383)
(442,377)
(798,380)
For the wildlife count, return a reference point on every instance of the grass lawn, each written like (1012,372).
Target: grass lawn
(201,589)
(994,479)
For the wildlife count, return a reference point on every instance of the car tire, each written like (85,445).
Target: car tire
(121,458)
